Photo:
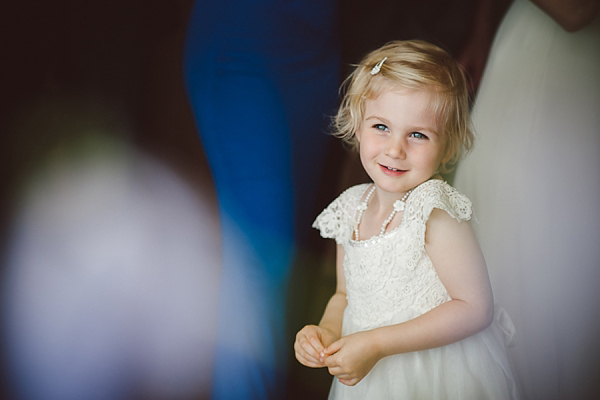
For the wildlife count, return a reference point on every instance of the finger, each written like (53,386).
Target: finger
(343,377)
(333,348)
(313,336)
(349,382)
(347,379)
(306,332)
(337,371)
(316,344)
(305,342)
(307,362)
(332,361)
(308,358)
(310,351)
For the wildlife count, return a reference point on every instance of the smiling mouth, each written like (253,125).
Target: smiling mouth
(391,169)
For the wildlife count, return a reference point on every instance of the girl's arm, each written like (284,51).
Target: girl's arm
(334,312)
(572,15)
(312,339)
(459,263)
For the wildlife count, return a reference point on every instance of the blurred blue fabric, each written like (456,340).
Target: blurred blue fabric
(262,79)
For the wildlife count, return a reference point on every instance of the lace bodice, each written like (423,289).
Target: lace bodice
(391,273)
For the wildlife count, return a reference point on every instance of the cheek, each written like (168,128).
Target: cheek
(363,151)
(440,152)
(358,135)
(431,159)
(365,145)
(367,154)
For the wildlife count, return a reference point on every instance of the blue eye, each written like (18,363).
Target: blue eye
(380,127)
(418,135)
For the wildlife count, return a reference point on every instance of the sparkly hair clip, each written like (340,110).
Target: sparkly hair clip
(377,67)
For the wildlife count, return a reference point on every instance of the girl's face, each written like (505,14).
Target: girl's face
(400,146)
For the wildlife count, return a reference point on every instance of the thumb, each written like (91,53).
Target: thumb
(333,348)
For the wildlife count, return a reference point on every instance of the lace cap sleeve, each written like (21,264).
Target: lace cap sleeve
(438,194)
(427,196)
(336,221)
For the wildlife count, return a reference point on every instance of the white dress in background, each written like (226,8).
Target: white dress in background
(389,280)
(534,179)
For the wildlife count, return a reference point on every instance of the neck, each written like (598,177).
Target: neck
(383,202)
(398,205)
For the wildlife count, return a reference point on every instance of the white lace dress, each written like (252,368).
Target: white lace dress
(389,280)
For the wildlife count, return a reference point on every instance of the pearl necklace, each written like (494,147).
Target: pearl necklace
(398,206)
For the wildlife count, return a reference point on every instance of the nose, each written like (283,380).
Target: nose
(396,148)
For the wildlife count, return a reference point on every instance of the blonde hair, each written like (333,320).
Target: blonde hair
(413,65)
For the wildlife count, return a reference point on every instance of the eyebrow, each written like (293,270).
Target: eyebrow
(376,117)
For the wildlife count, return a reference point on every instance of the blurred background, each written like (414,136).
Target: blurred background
(105,184)
(108,213)
(109,232)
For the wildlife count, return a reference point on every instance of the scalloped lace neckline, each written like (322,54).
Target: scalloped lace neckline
(377,238)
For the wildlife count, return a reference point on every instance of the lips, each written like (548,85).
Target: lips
(391,171)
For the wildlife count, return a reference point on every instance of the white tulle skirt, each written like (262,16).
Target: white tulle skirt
(475,368)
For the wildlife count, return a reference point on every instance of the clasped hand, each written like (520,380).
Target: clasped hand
(349,358)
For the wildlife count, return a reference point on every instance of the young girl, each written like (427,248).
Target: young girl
(412,316)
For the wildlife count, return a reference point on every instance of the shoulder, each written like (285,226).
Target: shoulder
(437,194)
(334,220)
(350,197)
(355,192)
